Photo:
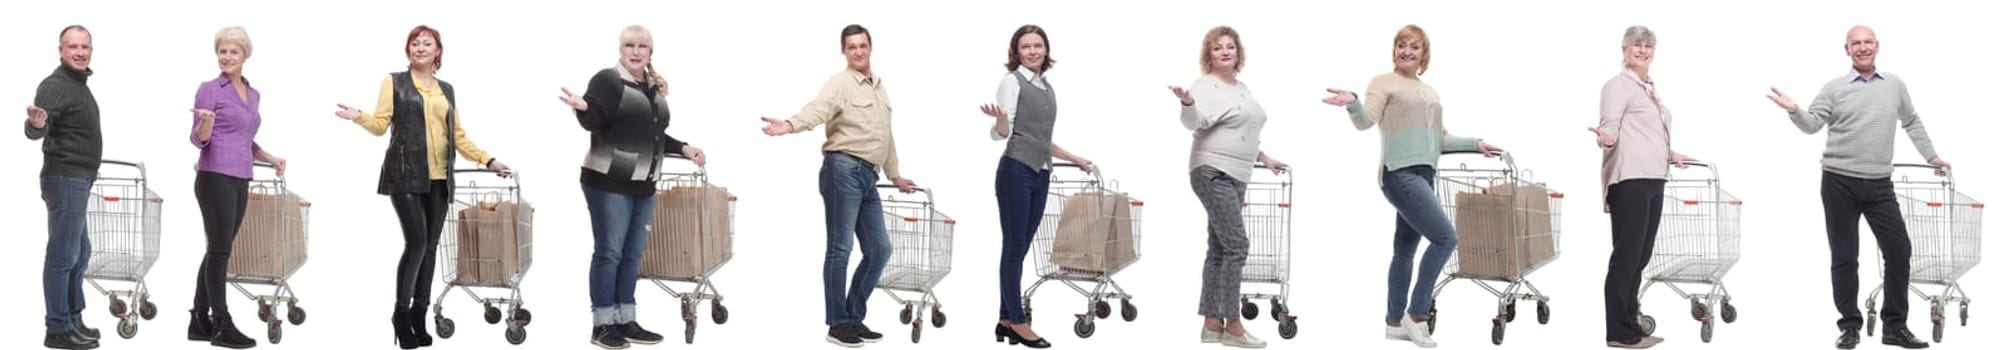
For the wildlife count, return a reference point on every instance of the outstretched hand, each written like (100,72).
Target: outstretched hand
(776,127)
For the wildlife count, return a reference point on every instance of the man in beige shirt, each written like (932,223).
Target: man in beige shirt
(859,141)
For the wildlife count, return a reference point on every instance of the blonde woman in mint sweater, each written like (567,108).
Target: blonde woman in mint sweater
(1409,115)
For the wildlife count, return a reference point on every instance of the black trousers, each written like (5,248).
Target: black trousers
(221,198)
(1635,207)
(1847,200)
(422,216)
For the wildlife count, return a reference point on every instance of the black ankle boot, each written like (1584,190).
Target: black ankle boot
(400,321)
(199,326)
(415,319)
(227,335)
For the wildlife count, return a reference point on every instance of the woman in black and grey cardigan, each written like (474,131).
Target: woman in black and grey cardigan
(624,108)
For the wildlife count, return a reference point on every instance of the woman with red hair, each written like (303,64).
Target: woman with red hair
(419,112)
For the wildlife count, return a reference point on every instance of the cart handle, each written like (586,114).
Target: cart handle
(124,163)
(1096,171)
(513,175)
(1711,170)
(1510,166)
(1946,170)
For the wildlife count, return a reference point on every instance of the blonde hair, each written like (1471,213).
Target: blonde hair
(1413,32)
(234,35)
(641,34)
(1206,49)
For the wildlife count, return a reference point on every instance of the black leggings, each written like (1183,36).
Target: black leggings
(423,216)
(222,199)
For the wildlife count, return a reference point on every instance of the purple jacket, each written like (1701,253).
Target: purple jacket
(231,145)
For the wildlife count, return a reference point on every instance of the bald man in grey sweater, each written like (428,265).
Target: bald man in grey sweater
(1860,113)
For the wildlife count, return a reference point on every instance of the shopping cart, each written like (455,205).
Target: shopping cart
(690,238)
(1090,232)
(1507,228)
(923,241)
(1944,243)
(1699,239)
(124,229)
(487,245)
(1266,215)
(271,245)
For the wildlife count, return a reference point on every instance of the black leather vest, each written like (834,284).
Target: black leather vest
(405,165)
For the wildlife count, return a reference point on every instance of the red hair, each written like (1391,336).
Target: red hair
(438,59)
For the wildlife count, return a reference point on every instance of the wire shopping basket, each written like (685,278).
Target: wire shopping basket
(487,245)
(923,241)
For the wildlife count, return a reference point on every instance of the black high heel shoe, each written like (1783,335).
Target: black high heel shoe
(401,322)
(1005,333)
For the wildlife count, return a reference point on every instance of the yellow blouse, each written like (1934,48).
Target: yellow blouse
(435,125)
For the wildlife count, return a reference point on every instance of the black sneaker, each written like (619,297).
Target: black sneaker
(227,335)
(69,341)
(199,328)
(635,334)
(844,335)
(608,337)
(864,333)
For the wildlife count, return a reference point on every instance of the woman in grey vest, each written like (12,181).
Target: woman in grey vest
(1024,113)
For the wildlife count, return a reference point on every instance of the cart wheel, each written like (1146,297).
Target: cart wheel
(146,309)
(1101,309)
(1248,310)
(689,330)
(940,319)
(1728,313)
(272,333)
(522,316)
(296,315)
(491,314)
(1497,331)
(1937,330)
(1277,310)
(1699,311)
(117,307)
(1511,311)
(128,328)
(1432,317)
(1083,327)
(515,335)
(1027,314)
(1648,324)
(906,315)
(1128,312)
(1870,328)
(916,333)
(1707,331)
(444,327)
(1541,313)
(265,313)
(1287,329)
(1963,313)
(719,314)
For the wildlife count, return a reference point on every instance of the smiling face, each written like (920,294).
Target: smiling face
(1408,55)
(1224,54)
(637,49)
(76,49)
(423,50)
(230,58)
(1638,55)
(1031,51)
(1862,47)
(857,51)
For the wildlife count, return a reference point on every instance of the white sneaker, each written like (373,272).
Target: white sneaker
(1397,333)
(1245,340)
(1208,336)
(1417,333)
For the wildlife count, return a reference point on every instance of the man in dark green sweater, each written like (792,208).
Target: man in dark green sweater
(65,118)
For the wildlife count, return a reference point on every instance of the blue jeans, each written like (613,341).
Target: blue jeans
(1412,192)
(69,251)
(1020,206)
(619,237)
(851,207)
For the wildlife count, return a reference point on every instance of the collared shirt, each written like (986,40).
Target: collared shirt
(436,107)
(232,137)
(859,116)
(1632,112)
(1007,97)
(1854,76)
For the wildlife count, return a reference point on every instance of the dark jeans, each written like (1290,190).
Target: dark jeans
(619,237)
(1020,206)
(221,199)
(1635,206)
(1847,199)
(1420,216)
(69,251)
(422,216)
(851,208)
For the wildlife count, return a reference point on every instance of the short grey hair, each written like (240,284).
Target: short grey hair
(234,35)
(1640,34)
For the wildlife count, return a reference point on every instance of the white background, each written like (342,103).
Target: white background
(1523,75)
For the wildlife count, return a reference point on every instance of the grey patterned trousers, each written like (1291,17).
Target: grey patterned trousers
(1226,242)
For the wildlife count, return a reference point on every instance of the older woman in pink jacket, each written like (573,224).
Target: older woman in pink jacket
(1635,135)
